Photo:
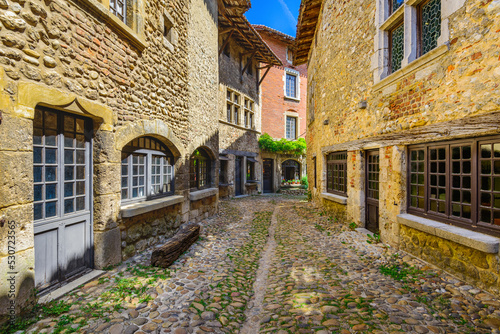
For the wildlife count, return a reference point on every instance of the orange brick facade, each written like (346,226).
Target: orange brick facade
(274,104)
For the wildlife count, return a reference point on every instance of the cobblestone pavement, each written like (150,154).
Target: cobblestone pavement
(275,265)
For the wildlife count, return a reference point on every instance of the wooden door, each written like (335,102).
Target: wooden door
(62,196)
(372,190)
(268,175)
(237,176)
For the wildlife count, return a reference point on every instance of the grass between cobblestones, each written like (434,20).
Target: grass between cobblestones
(228,299)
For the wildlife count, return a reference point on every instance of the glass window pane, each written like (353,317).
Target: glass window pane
(68,156)
(397,47)
(50,174)
(69,173)
(69,205)
(50,209)
(80,172)
(80,203)
(37,174)
(431,25)
(38,211)
(80,188)
(50,155)
(50,191)
(38,192)
(80,157)
(68,189)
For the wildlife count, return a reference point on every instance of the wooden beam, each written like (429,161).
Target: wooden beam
(249,61)
(225,42)
(267,71)
(225,30)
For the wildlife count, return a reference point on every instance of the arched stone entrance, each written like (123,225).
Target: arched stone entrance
(290,170)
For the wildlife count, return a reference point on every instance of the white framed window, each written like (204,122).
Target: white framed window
(291,79)
(291,127)
(119,9)
(147,170)
(408,30)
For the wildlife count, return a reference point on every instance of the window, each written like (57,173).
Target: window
(61,159)
(336,173)
(119,9)
(457,182)
(395,4)
(289,55)
(405,35)
(248,107)
(200,170)
(239,109)
(223,177)
(397,36)
(291,85)
(250,170)
(430,25)
(291,127)
(147,170)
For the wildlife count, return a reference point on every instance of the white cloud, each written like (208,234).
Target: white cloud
(288,13)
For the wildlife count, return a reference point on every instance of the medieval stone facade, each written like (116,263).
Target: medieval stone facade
(108,134)
(403,114)
(284,99)
(240,117)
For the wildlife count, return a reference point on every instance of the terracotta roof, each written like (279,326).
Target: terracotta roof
(306,27)
(232,21)
(282,36)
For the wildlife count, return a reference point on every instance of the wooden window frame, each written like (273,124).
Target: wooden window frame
(200,170)
(330,163)
(474,222)
(128,154)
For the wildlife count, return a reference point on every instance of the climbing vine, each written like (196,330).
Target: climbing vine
(282,146)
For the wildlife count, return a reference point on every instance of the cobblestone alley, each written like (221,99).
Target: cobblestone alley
(275,265)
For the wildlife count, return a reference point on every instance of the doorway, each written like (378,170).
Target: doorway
(372,190)
(237,176)
(268,175)
(62,196)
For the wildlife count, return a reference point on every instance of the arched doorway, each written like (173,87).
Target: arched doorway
(290,170)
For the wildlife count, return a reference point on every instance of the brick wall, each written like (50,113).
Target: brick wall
(274,104)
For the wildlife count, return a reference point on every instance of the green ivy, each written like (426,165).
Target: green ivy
(282,146)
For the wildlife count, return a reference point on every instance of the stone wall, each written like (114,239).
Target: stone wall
(471,265)
(145,230)
(449,93)
(236,139)
(131,81)
(203,208)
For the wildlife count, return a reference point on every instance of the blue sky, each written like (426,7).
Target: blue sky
(277,14)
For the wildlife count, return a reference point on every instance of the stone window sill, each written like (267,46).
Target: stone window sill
(251,184)
(136,209)
(475,240)
(411,67)
(200,194)
(292,98)
(239,126)
(334,198)
(136,39)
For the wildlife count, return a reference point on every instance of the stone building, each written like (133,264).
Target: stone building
(284,96)
(108,133)
(241,50)
(403,114)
